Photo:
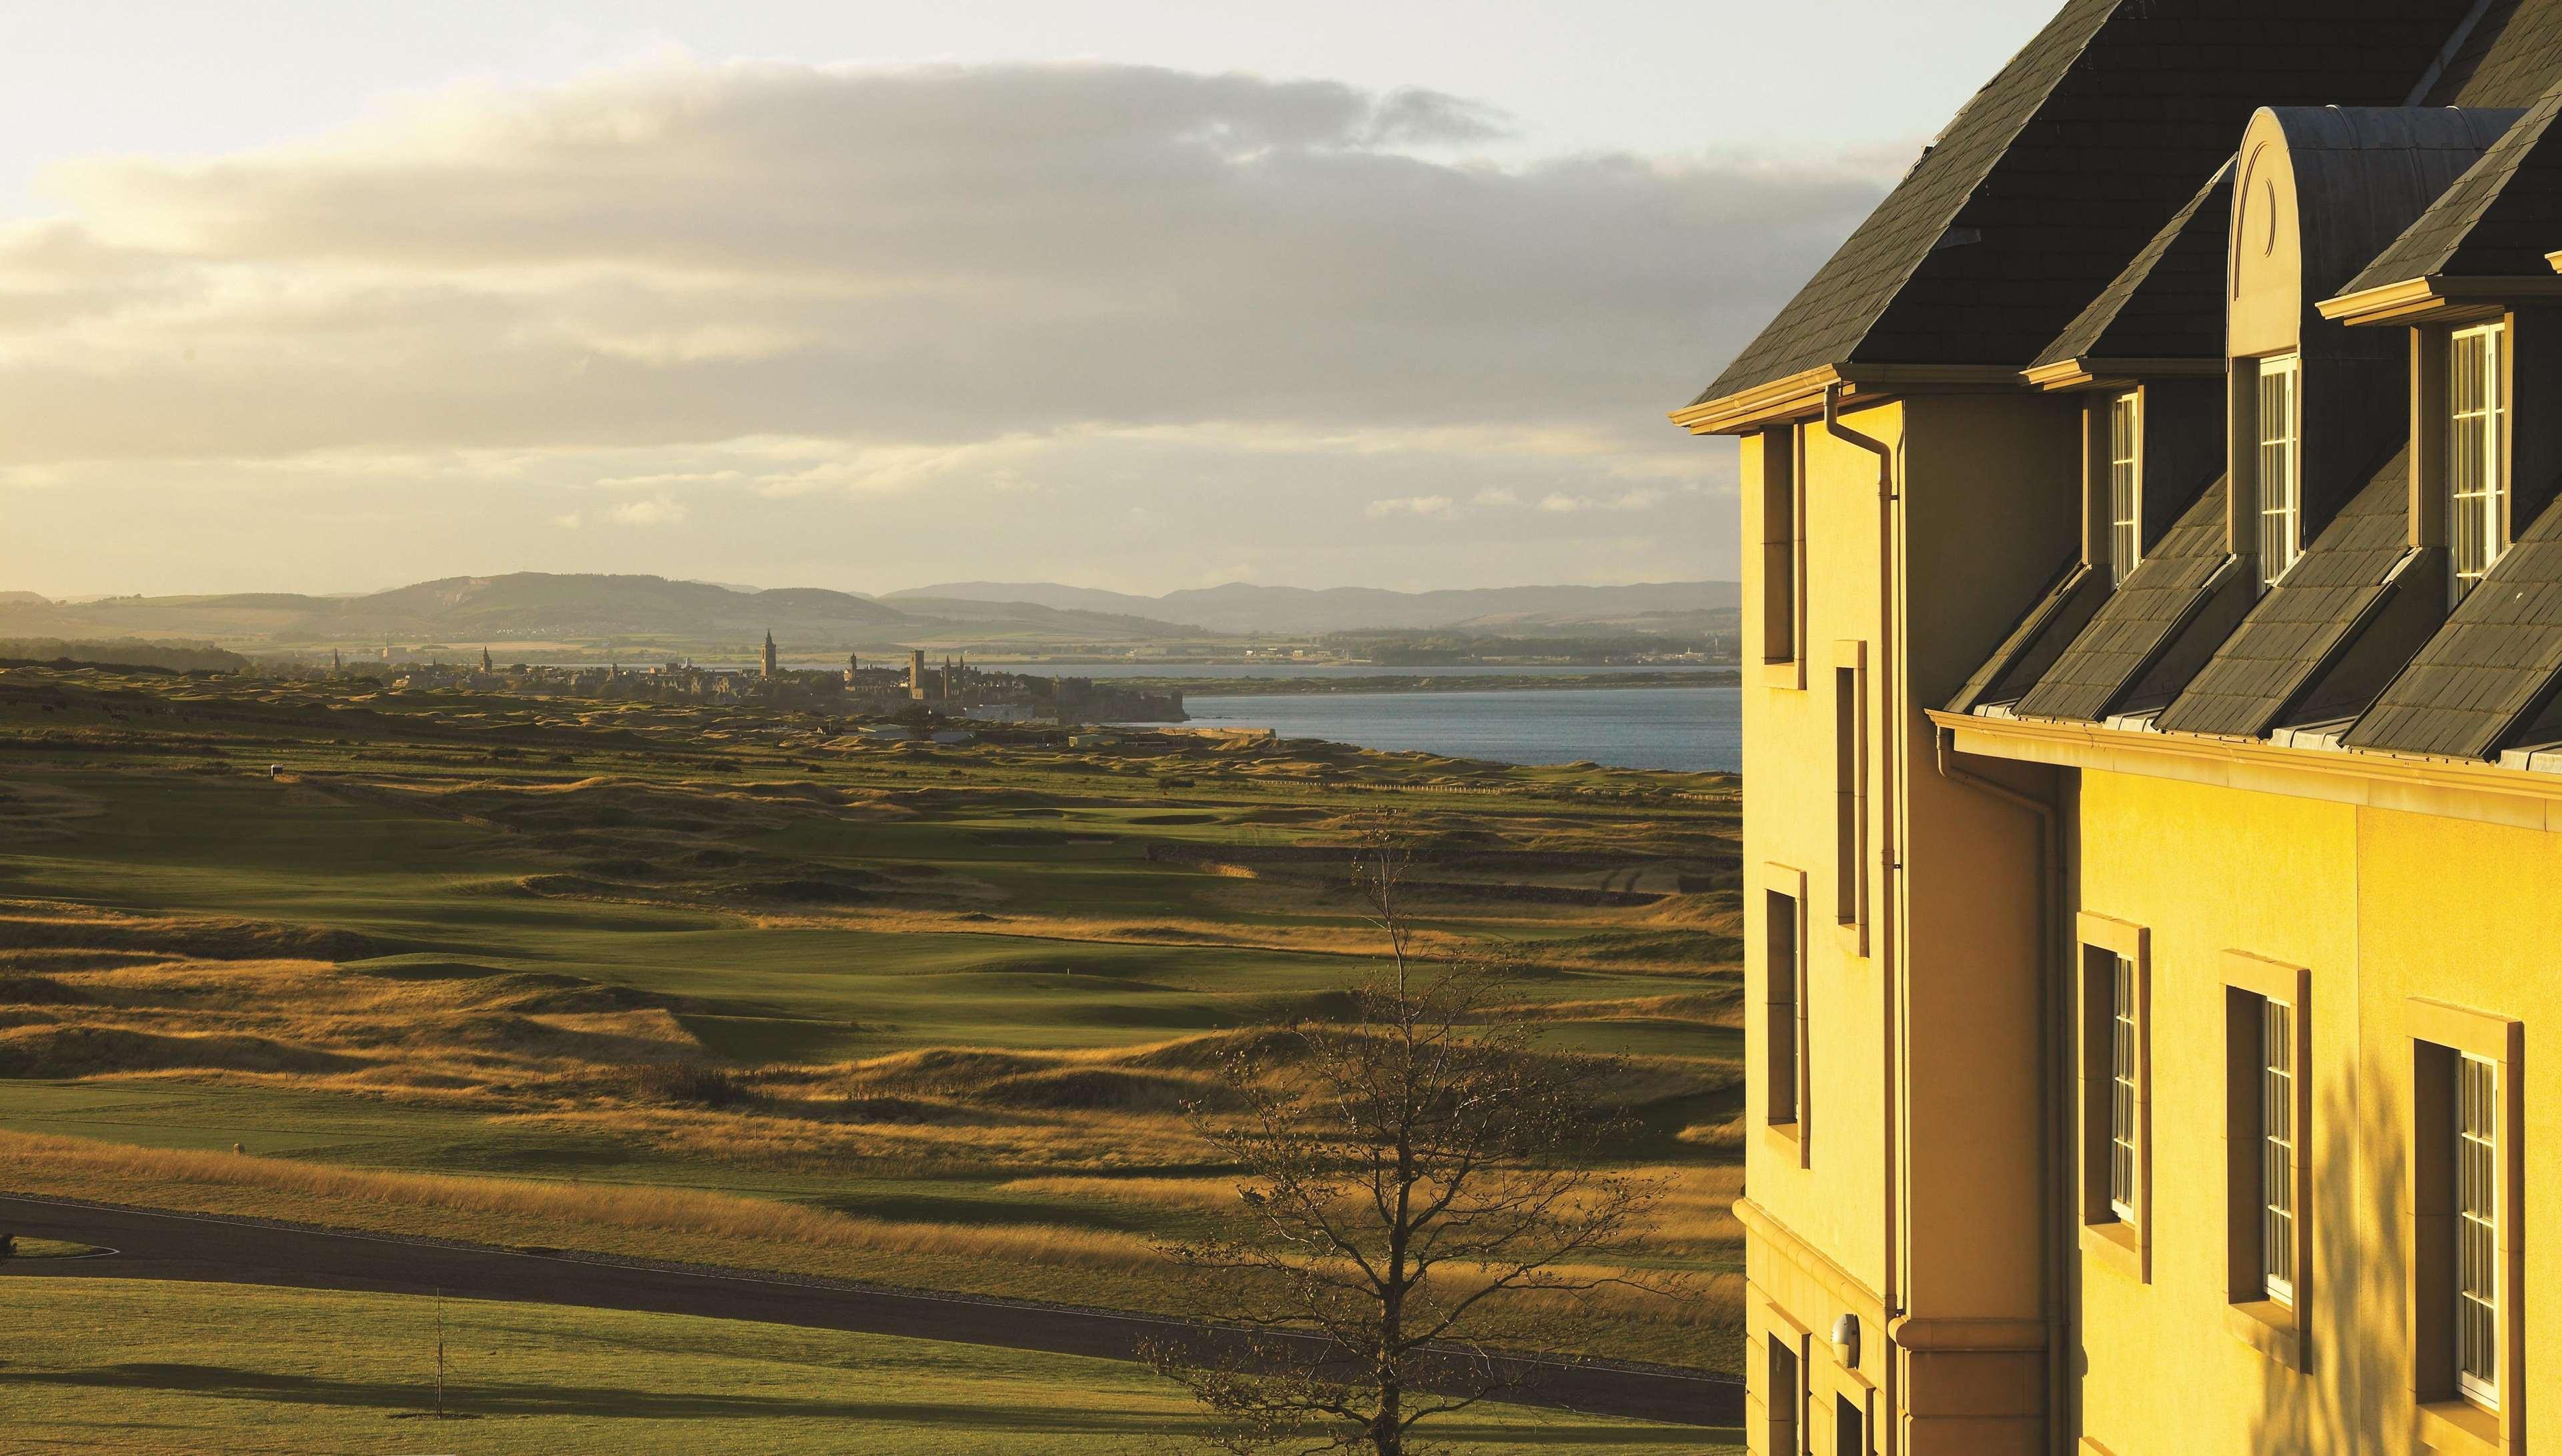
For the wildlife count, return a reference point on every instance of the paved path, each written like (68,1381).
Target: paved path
(157,1244)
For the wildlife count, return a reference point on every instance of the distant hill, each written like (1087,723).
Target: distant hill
(178,656)
(1034,615)
(521,606)
(565,613)
(560,616)
(1242,608)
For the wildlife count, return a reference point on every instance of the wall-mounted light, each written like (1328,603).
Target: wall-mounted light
(1846,1341)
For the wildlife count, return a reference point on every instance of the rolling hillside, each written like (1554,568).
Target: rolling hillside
(540,615)
(556,615)
(1242,608)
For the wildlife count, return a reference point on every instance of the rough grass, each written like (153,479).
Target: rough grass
(848,984)
(52,1248)
(1078,1265)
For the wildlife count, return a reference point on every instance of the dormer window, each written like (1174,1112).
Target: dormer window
(2281,479)
(2476,465)
(2125,483)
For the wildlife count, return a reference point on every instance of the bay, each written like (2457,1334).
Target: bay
(1688,729)
(1214,671)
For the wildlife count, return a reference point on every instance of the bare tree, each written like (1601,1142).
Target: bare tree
(1417,1192)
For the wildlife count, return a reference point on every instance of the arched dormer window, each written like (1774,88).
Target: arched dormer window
(2315,408)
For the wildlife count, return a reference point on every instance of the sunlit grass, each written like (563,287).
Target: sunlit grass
(101,1364)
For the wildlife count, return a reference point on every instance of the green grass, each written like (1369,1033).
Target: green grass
(138,1366)
(1085,941)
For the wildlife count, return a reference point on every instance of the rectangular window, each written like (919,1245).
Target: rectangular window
(2278,1141)
(1850,1427)
(2476,469)
(2478,1257)
(2115,1147)
(1779,545)
(1785,1028)
(2280,468)
(2125,483)
(2461,1223)
(1786,1398)
(2123,1089)
(1850,791)
(2268,1193)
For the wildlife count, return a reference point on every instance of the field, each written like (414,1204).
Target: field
(244,1369)
(729,985)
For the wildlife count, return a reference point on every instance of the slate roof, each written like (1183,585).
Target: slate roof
(2304,621)
(2064,165)
(2496,657)
(2512,53)
(2169,303)
(2184,632)
(2498,220)
(2137,621)
(2037,639)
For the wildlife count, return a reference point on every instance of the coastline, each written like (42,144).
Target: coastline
(1427,683)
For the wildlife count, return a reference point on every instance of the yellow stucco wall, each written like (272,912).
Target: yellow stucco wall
(2206,870)
(1963,907)
(2470,914)
(2379,906)
(1789,818)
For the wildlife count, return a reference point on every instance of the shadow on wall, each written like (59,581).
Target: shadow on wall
(2358,1292)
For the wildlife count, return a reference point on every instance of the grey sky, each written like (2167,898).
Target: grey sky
(1133,296)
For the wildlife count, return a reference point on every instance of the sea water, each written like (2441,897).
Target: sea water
(1686,728)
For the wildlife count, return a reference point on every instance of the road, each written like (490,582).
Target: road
(157,1244)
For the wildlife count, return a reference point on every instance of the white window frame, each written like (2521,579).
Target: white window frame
(2280,1142)
(2280,466)
(2125,483)
(2123,1090)
(2478,1258)
(2478,486)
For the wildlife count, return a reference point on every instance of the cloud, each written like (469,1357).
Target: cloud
(1418,505)
(1640,498)
(763,281)
(689,251)
(659,513)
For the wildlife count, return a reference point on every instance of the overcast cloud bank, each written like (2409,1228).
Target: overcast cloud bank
(858,326)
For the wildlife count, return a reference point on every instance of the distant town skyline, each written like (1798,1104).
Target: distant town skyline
(1136,296)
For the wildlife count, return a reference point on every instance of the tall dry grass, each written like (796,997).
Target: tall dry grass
(438,1202)
(1087,1265)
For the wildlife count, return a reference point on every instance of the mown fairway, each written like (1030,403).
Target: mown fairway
(238,1368)
(949,1001)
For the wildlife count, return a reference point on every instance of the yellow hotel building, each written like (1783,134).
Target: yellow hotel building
(2153,759)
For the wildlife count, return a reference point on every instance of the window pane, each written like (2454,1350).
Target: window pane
(2477,1230)
(2281,470)
(2476,483)
(2277,1150)
(2122,1090)
(1780,1031)
(2125,529)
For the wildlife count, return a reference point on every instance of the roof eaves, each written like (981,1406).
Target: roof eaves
(1803,394)
(2098,373)
(2414,299)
